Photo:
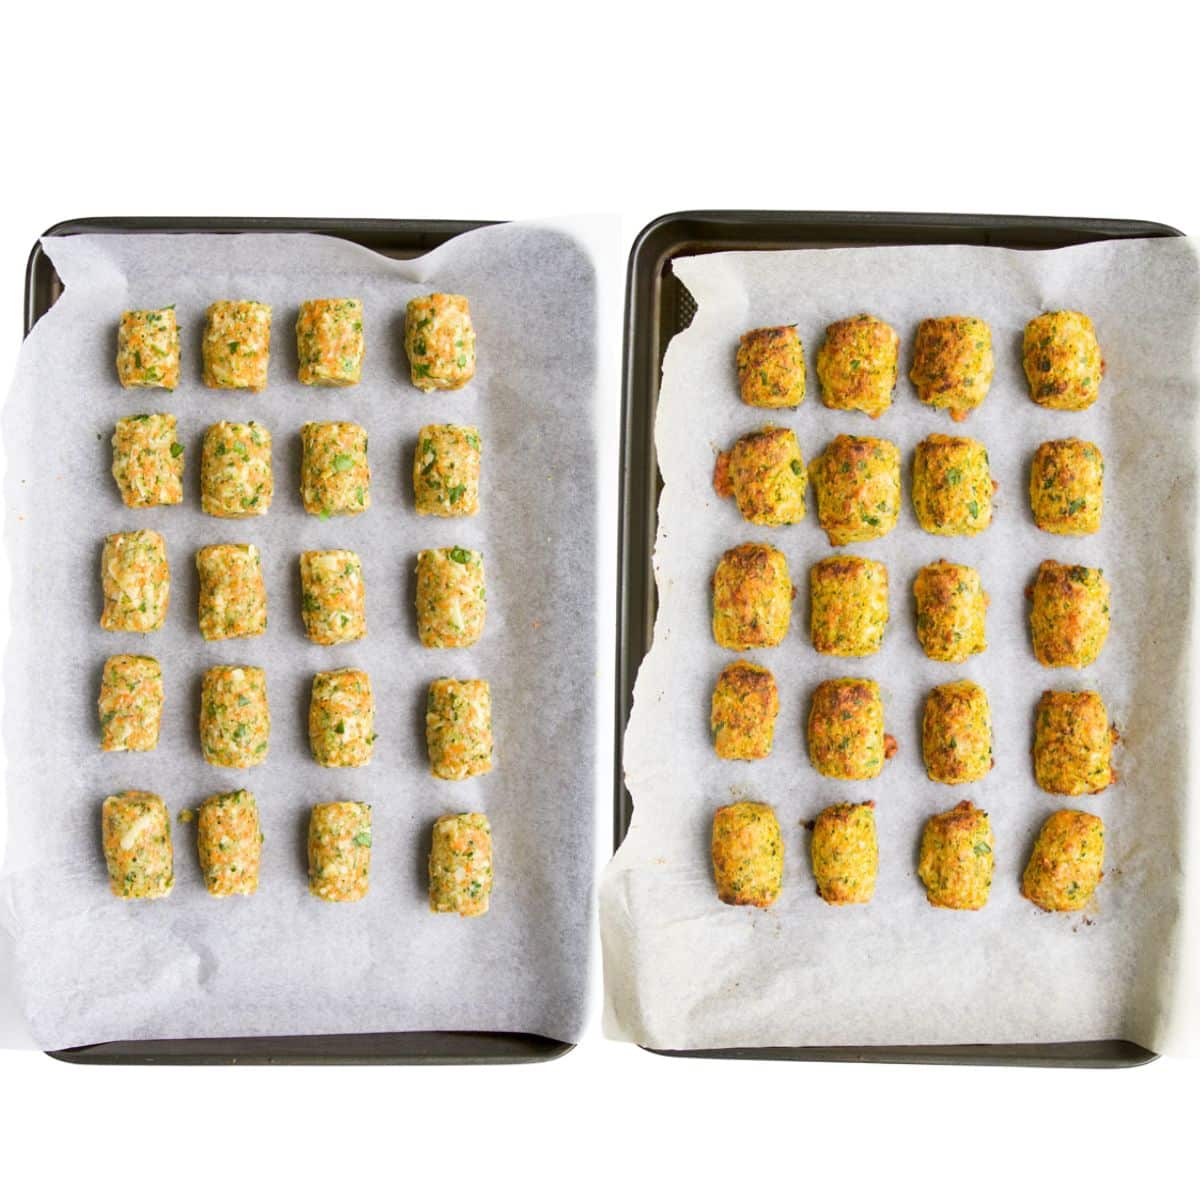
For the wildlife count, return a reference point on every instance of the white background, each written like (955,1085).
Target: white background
(528,110)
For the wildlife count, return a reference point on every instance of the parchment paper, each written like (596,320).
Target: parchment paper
(684,971)
(92,968)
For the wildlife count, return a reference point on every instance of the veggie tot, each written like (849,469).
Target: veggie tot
(148,349)
(752,597)
(229,843)
(1072,744)
(136,836)
(745,703)
(439,340)
(857,482)
(1067,862)
(235,719)
(953,363)
(147,461)
(956,733)
(845,853)
(131,702)
(846,739)
(951,611)
(952,486)
(858,365)
(237,344)
(233,596)
(1066,487)
(329,342)
(747,854)
(136,582)
(458,728)
(341,718)
(1062,360)
(236,478)
(1069,614)
(764,473)
(957,858)
(770,367)
(335,477)
(460,865)
(849,604)
(451,598)
(332,596)
(446,471)
(339,851)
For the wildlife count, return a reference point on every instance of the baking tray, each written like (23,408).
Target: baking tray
(657,307)
(396,239)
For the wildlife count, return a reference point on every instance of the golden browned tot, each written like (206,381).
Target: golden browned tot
(770,367)
(747,854)
(956,733)
(745,703)
(229,843)
(858,365)
(845,853)
(846,739)
(236,477)
(233,596)
(451,597)
(458,728)
(857,482)
(136,835)
(1062,360)
(1066,487)
(148,348)
(460,865)
(957,858)
(953,363)
(329,342)
(136,582)
(339,851)
(439,340)
(131,702)
(341,718)
(237,344)
(765,474)
(952,486)
(849,602)
(1069,614)
(1072,744)
(147,461)
(951,611)
(752,597)
(446,469)
(235,718)
(1067,862)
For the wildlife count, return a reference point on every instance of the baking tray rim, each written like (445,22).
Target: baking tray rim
(398,1048)
(661,240)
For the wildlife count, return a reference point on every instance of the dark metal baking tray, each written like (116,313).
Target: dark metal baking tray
(658,306)
(396,239)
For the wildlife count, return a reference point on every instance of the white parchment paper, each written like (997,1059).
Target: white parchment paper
(91,968)
(684,971)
